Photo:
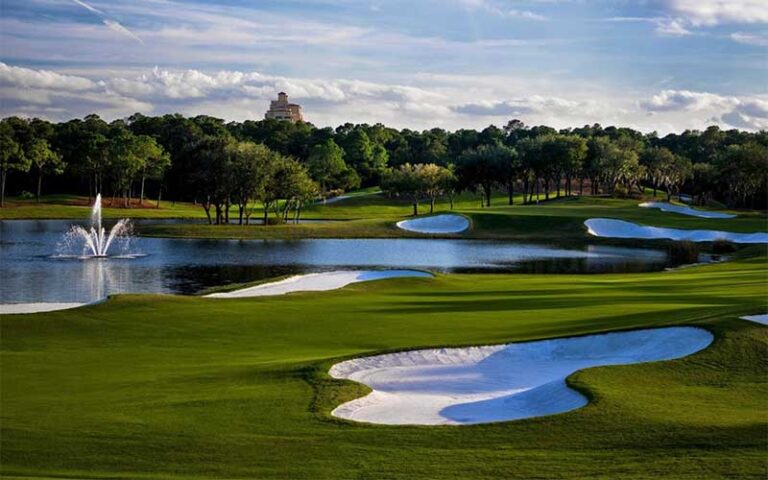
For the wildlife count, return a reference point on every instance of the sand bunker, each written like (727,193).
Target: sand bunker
(457,386)
(13,308)
(685,210)
(757,318)
(448,223)
(609,227)
(315,282)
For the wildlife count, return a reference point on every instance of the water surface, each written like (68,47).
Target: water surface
(31,271)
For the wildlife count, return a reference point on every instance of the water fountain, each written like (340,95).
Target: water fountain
(95,240)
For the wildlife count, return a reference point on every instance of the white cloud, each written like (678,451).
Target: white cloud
(111,23)
(449,101)
(746,112)
(714,12)
(674,100)
(756,39)
(673,27)
(33,79)
(494,8)
(519,106)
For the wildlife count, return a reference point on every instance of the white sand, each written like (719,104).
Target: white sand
(447,223)
(13,308)
(757,318)
(609,227)
(315,282)
(685,210)
(457,386)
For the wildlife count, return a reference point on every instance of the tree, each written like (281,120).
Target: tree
(252,169)
(12,157)
(404,182)
(656,161)
(124,161)
(153,161)
(433,180)
(744,171)
(483,168)
(359,154)
(44,160)
(450,183)
(291,183)
(674,173)
(326,164)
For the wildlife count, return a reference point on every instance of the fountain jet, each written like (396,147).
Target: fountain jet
(96,239)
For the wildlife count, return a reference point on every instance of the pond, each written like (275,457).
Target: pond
(33,272)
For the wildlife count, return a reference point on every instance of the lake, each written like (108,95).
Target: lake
(31,270)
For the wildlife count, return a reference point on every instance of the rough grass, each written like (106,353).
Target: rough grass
(185,387)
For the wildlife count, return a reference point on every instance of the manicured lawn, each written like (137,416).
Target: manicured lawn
(186,387)
(367,214)
(555,221)
(79,207)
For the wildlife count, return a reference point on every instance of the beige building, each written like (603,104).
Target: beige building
(280,109)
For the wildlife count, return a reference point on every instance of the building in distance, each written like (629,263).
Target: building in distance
(281,109)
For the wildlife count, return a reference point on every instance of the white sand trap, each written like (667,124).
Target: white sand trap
(685,210)
(447,223)
(316,282)
(14,308)
(757,318)
(457,386)
(609,227)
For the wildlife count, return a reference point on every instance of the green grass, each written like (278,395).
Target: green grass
(79,207)
(558,221)
(186,387)
(371,215)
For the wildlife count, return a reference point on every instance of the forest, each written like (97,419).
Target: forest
(233,168)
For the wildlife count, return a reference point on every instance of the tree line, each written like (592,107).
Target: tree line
(282,165)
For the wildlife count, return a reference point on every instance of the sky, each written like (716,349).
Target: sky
(653,65)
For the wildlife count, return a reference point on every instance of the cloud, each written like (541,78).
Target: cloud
(715,12)
(449,101)
(494,8)
(759,40)
(112,24)
(748,112)
(674,100)
(42,79)
(672,27)
(517,106)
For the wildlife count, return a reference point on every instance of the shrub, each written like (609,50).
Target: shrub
(25,195)
(684,252)
(723,246)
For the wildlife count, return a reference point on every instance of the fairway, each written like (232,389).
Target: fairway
(188,387)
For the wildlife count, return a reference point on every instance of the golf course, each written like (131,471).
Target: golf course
(180,386)
(383,240)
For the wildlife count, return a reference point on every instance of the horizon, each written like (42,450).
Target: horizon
(664,66)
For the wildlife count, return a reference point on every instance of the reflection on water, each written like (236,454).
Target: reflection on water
(31,273)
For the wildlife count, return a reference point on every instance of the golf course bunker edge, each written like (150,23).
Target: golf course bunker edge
(685,210)
(445,223)
(496,383)
(613,228)
(319,282)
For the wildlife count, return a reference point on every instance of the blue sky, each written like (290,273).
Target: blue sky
(663,65)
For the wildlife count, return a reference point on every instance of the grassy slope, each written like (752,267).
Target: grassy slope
(163,387)
(375,216)
(368,215)
(78,207)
